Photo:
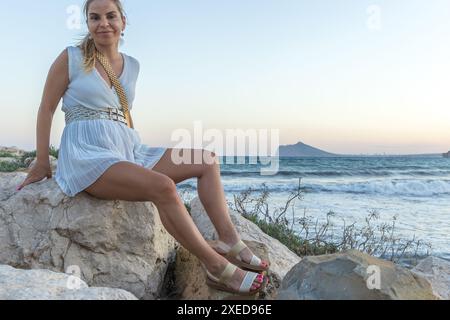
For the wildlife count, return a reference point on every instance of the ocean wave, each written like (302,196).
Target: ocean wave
(393,187)
(236,188)
(417,188)
(343,173)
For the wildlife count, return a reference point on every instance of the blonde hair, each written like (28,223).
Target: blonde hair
(87,44)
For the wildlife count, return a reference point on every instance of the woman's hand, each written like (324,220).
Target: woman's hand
(37,173)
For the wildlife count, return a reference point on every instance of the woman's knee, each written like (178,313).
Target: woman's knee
(210,159)
(166,191)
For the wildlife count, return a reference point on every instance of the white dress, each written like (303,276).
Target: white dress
(89,147)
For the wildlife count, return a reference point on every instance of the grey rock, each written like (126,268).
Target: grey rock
(16,284)
(352,275)
(281,258)
(115,244)
(190,276)
(437,271)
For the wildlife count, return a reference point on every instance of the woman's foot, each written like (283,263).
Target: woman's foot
(245,254)
(237,278)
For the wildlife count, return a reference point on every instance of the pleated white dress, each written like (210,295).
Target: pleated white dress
(89,147)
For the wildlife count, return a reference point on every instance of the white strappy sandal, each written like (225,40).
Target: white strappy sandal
(232,255)
(246,285)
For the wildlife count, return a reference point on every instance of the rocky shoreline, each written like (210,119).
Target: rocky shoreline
(56,247)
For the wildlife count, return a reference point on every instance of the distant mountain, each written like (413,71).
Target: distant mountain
(303,150)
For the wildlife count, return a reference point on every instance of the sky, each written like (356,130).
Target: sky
(349,76)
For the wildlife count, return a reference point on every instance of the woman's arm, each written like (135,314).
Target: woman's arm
(55,87)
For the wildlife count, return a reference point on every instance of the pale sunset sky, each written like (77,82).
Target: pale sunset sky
(351,76)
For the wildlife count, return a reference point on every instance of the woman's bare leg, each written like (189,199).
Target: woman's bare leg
(130,182)
(210,190)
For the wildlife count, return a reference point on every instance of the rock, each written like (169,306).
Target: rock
(115,244)
(190,277)
(281,258)
(347,276)
(437,272)
(16,284)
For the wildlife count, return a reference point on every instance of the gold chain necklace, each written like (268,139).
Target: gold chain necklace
(117,85)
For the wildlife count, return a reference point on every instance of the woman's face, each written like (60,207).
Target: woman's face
(104,22)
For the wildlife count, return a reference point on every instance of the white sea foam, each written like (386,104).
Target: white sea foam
(410,187)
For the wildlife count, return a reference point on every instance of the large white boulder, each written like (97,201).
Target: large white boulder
(352,275)
(16,284)
(114,244)
(437,272)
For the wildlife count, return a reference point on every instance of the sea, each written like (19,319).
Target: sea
(411,191)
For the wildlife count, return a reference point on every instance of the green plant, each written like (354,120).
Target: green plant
(5,154)
(53,151)
(304,235)
(9,166)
